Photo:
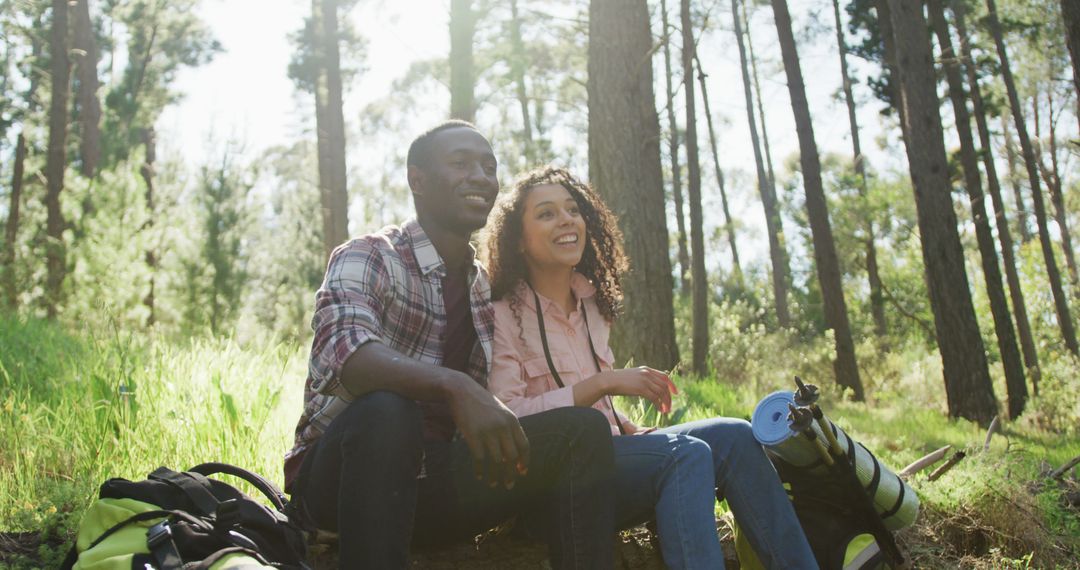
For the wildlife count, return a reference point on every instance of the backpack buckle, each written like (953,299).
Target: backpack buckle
(158,534)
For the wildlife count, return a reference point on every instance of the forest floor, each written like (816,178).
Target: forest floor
(79,407)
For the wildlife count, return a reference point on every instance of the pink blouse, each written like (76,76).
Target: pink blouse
(520,375)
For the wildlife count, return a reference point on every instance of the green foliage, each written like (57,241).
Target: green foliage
(78,409)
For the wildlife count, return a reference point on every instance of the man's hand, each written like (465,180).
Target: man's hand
(499,447)
(644,382)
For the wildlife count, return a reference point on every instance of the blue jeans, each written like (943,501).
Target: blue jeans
(677,473)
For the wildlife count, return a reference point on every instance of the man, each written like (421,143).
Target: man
(400,442)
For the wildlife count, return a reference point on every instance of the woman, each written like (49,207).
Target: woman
(555,258)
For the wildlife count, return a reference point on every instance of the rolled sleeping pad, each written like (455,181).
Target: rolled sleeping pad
(893,499)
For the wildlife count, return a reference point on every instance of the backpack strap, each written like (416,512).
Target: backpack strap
(194,485)
(276,497)
(160,543)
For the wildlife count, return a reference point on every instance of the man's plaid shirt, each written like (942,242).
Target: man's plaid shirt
(384,287)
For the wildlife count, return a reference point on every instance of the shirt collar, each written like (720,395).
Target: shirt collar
(427,257)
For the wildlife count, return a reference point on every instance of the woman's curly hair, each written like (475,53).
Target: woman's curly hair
(602,262)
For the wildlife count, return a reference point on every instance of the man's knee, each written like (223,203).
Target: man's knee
(585,423)
(385,417)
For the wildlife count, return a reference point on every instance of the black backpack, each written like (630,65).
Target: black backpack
(187,520)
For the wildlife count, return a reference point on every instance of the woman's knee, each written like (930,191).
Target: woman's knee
(688,452)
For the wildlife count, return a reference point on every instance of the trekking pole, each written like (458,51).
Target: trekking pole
(802,422)
(807,396)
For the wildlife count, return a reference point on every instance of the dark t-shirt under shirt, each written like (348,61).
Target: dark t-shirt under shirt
(459,340)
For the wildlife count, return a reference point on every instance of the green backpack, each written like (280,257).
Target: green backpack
(176,520)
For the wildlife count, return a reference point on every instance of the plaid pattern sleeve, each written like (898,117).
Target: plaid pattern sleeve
(348,311)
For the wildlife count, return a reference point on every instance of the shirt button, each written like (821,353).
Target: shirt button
(571,332)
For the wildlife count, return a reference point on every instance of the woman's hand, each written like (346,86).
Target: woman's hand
(642,381)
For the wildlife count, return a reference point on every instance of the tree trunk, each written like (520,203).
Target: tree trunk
(673,151)
(889,46)
(1016,293)
(147,172)
(55,159)
(518,71)
(968,388)
(995,290)
(729,226)
(1061,305)
(761,116)
(87,97)
(11,228)
(330,123)
(877,299)
(817,210)
(462,77)
(699,281)
(1050,175)
(1014,178)
(1070,13)
(624,165)
(773,223)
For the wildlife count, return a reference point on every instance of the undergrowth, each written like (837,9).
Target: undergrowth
(79,407)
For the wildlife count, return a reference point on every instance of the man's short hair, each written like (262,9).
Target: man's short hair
(420,149)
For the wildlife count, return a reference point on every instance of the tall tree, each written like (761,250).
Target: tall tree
(462,76)
(828,265)
(773,224)
(758,97)
(624,164)
(968,388)
(995,289)
(89,105)
(1070,13)
(729,226)
(330,125)
(698,278)
(673,153)
(147,171)
(1014,177)
(55,162)
(517,69)
(877,299)
(1061,305)
(1051,176)
(1012,277)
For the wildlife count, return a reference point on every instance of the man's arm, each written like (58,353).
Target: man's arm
(499,447)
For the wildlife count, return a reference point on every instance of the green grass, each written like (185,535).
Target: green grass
(79,407)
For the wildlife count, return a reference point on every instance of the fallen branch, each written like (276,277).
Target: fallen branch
(924,462)
(956,457)
(1060,471)
(990,433)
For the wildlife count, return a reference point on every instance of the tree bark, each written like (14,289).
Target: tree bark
(11,227)
(517,68)
(147,171)
(87,97)
(889,46)
(817,210)
(698,278)
(877,299)
(1014,178)
(761,112)
(330,123)
(1070,13)
(624,165)
(1061,305)
(1012,277)
(773,223)
(1011,360)
(55,257)
(1051,176)
(729,226)
(462,76)
(968,387)
(673,151)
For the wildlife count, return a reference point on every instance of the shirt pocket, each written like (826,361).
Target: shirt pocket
(540,378)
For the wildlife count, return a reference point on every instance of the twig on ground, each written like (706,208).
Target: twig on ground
(990,433)
(1060,471)
(924,462)
(956,457)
